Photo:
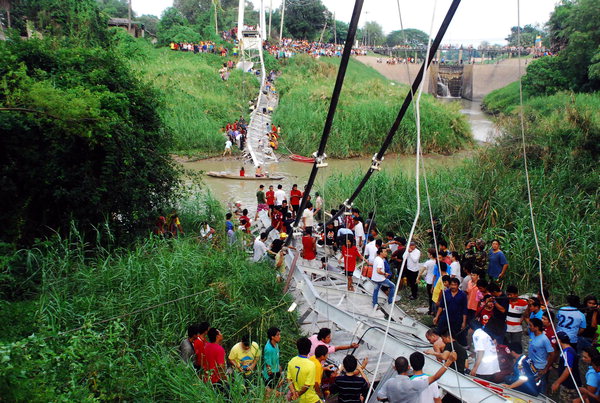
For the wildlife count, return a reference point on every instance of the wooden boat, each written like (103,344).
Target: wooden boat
(300,158)
(228,175)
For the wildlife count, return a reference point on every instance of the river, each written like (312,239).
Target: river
(231,190)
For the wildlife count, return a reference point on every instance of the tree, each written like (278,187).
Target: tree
(373,33)
(544,77)
(170,24)
(114,8)
(150,22)
(82,138)
(527,35)
(304,19)
(411,37)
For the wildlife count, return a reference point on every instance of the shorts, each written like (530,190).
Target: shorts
(262,206)
(295,207)
(349,273)
(271,206)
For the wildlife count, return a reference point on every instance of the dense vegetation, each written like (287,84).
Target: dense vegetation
(197,103)
(82,138)
(368,105)
(487,195)
(134,356)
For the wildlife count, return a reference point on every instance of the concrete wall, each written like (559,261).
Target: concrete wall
(479,79)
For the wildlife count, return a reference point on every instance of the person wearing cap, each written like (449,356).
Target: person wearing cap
(525,375)
(568,364)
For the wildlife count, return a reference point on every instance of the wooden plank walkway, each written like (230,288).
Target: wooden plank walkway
(257,143)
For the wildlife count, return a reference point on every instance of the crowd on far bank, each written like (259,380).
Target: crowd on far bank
(290,47)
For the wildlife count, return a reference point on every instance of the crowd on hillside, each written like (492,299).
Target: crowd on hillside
(483,327)
(290,47)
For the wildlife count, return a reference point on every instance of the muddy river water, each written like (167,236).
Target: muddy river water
(231,190)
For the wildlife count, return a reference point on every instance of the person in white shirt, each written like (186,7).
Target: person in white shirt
(486,364)
(432,393)
(370,250)
(380,277)
(260,248)
(308,216)
(228,145)
(455,266)
(359,233)
(412,257)
(429,277)
(279,195)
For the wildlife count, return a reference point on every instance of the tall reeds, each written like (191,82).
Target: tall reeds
(368,106)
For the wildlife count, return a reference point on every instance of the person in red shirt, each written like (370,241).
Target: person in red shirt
(242,171)
(551,335)
(277,219)
(295,197)
(349,254)
(214,353)
(309,245)
(270,198)
(199,344)
(245,217)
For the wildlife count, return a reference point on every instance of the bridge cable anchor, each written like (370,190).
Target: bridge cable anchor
(320,159)
(376,165)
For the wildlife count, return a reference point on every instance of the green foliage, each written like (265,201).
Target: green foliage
(171,23)
(82,140)
(502,100)
(372,33)
(409,37)
(78,20)
(134,357)
(197,102)
(487,196)
(527,35)
(304,19)
(150,23)
(367,108)
(545,76)
(115,8)
(574,31)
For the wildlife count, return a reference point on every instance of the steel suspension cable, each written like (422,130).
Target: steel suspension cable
(529,197)
(417,187)
(320,154)
(377,158)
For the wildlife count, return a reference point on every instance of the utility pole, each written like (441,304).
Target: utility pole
(129,18)
(322,32)
(216,25)
(334,30)
(282,17)
(270,15)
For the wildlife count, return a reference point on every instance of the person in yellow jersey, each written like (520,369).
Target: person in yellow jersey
(301,373)
(244,356)
(320,355)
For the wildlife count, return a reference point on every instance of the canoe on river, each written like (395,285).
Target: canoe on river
(301,158)
(228,175)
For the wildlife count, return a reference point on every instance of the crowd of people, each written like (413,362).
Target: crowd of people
(493,330)
(200,47)
(289,47)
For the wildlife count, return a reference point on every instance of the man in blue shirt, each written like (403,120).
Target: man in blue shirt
(456,302)
(271,368)
(524,376)
(539,350)
(497,263)
(570,319)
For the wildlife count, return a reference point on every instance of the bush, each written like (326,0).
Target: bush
(82,140)
(545,76)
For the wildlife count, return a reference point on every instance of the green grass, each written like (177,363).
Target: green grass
(502,100)
(197,103)
(135,356)
(367,108)
(487,197)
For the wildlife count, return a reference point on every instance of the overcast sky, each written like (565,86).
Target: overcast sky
(475,20)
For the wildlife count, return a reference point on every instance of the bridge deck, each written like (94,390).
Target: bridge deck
(260,124)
